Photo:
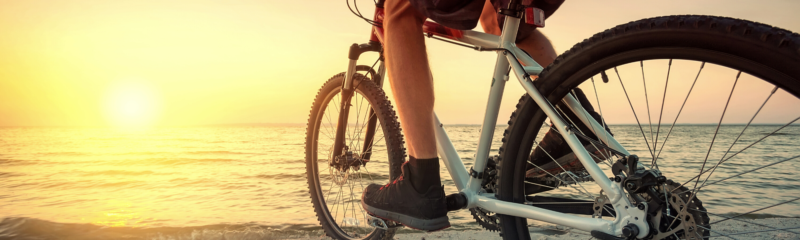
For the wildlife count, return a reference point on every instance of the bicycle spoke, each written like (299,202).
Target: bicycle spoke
(647,103)
(634,111)
(541,185)
(364,125)
(363,121)
(710,146)
(613,214)
(563,169)
(661,114)
(352,211)
(601,159)
(749,122)
(329,191)
(330,123)
(337,104)
(353,204)
(368,174)
(361,127)
(737,137)
(354,130)
(327,134)
(681,110)
(338,200)
(714,138)
(369,148)
(342,223)
(600,108)
(363,213)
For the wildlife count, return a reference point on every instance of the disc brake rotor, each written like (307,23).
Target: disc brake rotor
(337,176)
(679,218)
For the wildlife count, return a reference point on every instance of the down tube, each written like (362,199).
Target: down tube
(449,156)
(490,119)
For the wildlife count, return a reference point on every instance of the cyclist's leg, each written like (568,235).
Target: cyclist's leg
(412,84)
(539,47)
(416,198)
(410,76)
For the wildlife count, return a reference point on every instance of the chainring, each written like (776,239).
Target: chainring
(488,220)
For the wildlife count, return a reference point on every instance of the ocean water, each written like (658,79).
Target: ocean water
(247,182)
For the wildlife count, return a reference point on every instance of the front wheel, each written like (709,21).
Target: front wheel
(372,153)
(710,102)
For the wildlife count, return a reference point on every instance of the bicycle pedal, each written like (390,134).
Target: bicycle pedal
(377,222)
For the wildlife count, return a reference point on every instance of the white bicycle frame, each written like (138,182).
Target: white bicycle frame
(470,187)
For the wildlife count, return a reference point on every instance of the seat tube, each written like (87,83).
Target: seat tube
(493,106)
(489,120)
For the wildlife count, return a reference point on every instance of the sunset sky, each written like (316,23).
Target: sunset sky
(195,62)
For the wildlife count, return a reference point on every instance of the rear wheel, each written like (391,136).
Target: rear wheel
(719,122)
(372,153)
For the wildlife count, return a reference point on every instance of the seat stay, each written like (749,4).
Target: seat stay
(596,128)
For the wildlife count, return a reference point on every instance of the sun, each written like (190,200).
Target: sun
(131,104)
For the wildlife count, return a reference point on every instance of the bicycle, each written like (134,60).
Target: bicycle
(352,128)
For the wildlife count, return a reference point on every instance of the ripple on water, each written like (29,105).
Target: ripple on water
(10,174)
(119,172)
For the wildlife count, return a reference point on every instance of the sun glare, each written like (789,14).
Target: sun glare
(131,104)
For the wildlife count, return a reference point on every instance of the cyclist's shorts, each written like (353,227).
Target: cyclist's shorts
(464,14)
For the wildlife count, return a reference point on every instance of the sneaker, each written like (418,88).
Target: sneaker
(398,201)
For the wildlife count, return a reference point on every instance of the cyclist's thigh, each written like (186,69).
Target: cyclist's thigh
(399,10)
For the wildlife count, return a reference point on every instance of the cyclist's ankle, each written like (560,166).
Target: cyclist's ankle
(423,173)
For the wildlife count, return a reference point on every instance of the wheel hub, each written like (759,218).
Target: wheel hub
(347,160)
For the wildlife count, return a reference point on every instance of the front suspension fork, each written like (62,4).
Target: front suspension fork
(348,90)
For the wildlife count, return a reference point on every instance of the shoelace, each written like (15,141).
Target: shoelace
(393,182)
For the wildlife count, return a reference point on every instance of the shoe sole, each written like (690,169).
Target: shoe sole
(409,221)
